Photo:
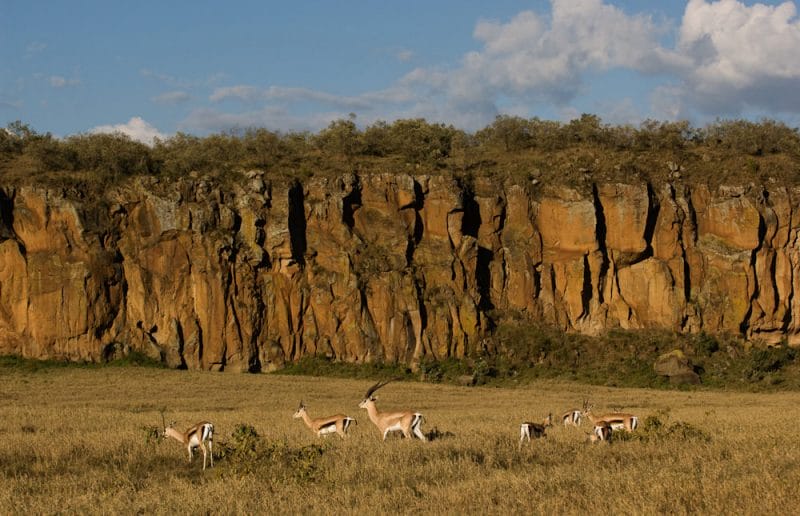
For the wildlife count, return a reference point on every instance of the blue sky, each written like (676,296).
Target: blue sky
(150,68)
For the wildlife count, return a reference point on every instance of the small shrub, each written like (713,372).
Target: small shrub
(706,344)
(137,359)
(244,444)
(769,360)
(654,429)
(247,452)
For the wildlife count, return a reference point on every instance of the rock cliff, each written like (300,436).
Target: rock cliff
(386,267)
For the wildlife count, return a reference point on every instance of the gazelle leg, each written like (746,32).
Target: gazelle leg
(211,451)
(419,434)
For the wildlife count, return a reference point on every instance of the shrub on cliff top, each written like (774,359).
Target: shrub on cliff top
(584,148)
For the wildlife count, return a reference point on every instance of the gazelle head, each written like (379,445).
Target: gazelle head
(170,431)
(300,410)
(548,421)
(368,397)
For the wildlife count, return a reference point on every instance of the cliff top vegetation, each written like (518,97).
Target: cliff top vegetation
(584,149)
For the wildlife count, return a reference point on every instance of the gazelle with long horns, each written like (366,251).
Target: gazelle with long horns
(322,426)
(405,421)
(195,436)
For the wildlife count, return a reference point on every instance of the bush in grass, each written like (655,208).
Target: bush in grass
(248,452)
(652,428)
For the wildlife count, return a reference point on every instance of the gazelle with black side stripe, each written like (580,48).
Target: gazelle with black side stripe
(601,432)
(195,436)
(617,420)
(535,430)
(572,417)
(406,421)
(322,426)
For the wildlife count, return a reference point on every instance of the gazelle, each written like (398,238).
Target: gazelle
(601,433)
(322,426)
(405,421)
(572,418)
(537,430)
(617,420)
(195,437)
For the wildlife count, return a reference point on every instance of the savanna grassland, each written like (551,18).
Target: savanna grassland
(78,440)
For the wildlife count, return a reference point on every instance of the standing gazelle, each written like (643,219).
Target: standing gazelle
(405,421)
(196,436)
(535,430)
(322,426)
(572,417)
(617,420)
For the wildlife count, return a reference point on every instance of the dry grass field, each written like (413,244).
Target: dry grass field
(74,440)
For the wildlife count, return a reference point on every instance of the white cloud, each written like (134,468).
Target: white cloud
(252,94)
(271,117)
(404,56)
(162,77)
(727,58)
(11,104)
(37,47)
(136,128)
(740,56)
(546,61)
(57,81)
(171,97)
(528,59)
(240,92)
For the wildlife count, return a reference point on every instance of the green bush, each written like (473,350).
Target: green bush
(769,360)
(247,452)
(654,429)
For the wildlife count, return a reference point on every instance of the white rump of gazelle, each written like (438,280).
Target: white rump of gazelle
(535,430)
(195,436)
(322,426)
(601,432)
(405,421)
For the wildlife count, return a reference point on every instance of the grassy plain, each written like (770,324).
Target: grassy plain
(74,440)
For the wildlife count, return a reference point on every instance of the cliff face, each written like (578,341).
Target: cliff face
(389,267)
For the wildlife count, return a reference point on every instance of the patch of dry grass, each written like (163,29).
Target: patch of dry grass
(75,441)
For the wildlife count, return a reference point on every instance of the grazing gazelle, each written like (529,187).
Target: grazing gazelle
(617,420)
(322,426)
(196,436)
(405,421)
(537,430)
(601,433)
